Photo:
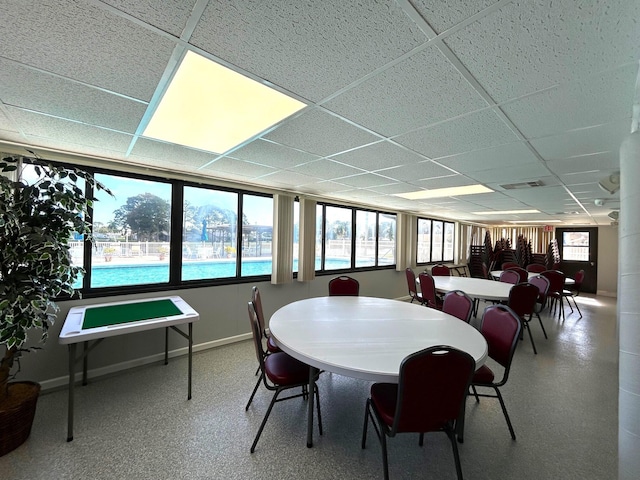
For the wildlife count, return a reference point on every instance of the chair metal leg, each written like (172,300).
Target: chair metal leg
(541,325)
(385,461)
(475,393)
(366,424)
(456,454)
(317,392)
(506,415)
(526,325)
(264,420)
(255,389)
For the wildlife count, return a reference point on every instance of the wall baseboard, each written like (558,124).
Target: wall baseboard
(63,382)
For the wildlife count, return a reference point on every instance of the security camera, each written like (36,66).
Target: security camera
(599,202)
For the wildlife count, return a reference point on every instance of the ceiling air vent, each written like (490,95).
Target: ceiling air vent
(514,186)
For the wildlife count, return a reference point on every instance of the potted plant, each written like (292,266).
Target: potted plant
(37,220)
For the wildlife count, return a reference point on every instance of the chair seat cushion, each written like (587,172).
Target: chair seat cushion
(483,376)
(283,369)
(384,396)
(271,346)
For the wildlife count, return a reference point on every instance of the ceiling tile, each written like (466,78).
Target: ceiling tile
(444,14)
(462,134)
(58,97)
(325,169)
(316,131)
(290,43)
(169,153)
(168,15)
(396,100)
(272,154)
(61,37)
(529,45)
(379,156)
(512,154)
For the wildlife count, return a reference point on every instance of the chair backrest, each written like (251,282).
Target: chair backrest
(501,328)
(432,385)
(508,265)
(556,281)
(579,278)
(257,306)
(522,273)
(510,276)
(440,270)
(523,298)
(411,282)
(543,287)
(536,268)
(458,304)
(428,289)
(257,335)
(344,286)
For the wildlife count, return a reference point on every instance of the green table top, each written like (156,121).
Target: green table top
(132,312)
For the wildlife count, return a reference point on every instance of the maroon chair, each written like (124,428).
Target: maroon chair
(458,304)
(574,291)
(501,328)
(522,300)
(556,286)
(279,372)
(344,286)
(536,268)
(413,290)
(256,299)
(428,397)
(508,265)
(510,276)
(428,288)
(440,270)
(522,273)
(543,286)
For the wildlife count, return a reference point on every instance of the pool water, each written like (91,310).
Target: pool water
(140,274)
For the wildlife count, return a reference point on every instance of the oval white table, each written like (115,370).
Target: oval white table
(496,274)
(476,288)
(365,337)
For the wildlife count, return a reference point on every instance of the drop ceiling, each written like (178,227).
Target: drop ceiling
(401,95)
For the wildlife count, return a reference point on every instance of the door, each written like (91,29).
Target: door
(579,251)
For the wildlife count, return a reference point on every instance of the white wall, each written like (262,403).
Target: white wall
(608,261)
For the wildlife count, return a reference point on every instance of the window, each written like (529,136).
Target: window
(436,240)
(131,229)
(337,237)
(257,235)
(575,246)
(365,238)
(209,233)
(386,239)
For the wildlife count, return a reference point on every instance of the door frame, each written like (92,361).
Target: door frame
(590,267)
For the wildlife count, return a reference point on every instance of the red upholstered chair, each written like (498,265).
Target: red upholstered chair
(344,286)
(510,276)
(279,372)
(428,288)
(501,328)
(458,304)
(536,268)
(522,300)
(556,286)
(574,291)
(440,270)
(413,290)
(256,299)
(508,265)
(428,397)
(543,286)
(522,273)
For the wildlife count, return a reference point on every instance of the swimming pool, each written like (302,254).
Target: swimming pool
(139,274)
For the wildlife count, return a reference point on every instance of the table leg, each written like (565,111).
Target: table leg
(166,346)
(85,361)
(311,397)
(190,357)
(72,363)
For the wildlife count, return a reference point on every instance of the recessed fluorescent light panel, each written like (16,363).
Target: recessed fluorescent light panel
(212,108)
(505,212)
(445,192)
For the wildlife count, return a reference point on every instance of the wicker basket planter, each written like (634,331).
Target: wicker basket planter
(16,415)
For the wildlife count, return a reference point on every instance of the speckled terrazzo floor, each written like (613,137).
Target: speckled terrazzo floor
(139,425)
